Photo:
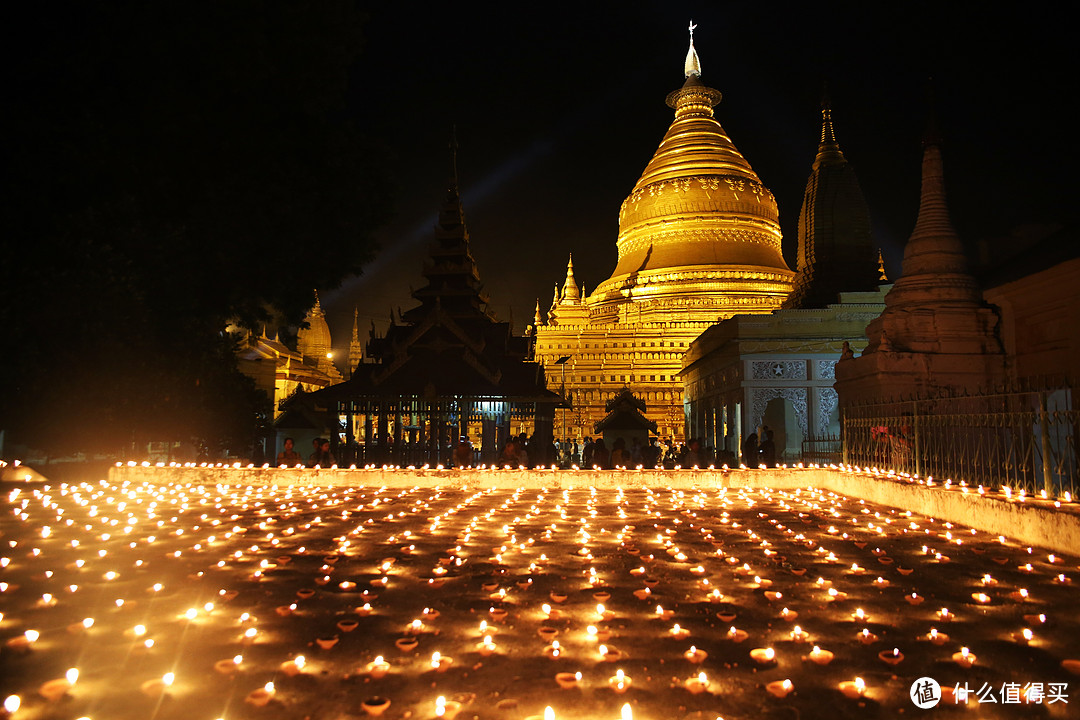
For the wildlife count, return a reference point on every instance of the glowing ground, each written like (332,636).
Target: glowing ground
(185,601)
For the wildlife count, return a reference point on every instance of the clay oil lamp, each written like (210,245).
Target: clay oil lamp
(780,688)
(554,650)
(347,625)
(53,690)
(981,598)
(736,635)
(294,667)
(726,616)
(406,644)
(1020,595)
(441,663)
(642,593)
(859,615)
(158,686)
(853,689)
(938,638)
(789,615)
(620,682)
(557,597)
(547,633)
(695,655)
(866,637)
(447,709)
(914,599)
(610,654)
(595,634)
(377,668)
(261,696)
(964,658)
(891,657)
(944,615)
(229,666)
(662,614)
(364,610)
(567,680)
(1071,665)
(697,685)
(375,706)
(486,647)
(497,614)
(1025,636)
(1039,619)
(763,656)
(678,632)
(799,635)
(327,642)
(819,656)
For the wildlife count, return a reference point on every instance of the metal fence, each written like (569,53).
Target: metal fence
(827,450)
(1024,439)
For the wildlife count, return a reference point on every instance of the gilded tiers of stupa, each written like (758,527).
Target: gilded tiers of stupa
(699,233)
(699,241)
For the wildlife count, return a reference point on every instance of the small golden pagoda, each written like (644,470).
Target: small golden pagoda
(699,241)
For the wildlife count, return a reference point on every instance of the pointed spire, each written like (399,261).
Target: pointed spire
(318,307)
(555,299)
(355,319)
(452,216)
(453,159)
(882,277)
(828,149)
(538,319)
(692,66)
(934,247)
(571,295)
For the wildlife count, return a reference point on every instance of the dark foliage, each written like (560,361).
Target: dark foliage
(170,168)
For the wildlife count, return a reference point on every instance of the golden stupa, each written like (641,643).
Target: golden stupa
(699,241)
(699,233)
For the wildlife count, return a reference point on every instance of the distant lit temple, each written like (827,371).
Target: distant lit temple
(699,241)
(445,369)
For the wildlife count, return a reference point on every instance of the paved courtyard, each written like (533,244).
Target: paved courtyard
(204,602)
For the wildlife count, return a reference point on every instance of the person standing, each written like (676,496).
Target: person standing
(768,450)
(289,456)
(750,451)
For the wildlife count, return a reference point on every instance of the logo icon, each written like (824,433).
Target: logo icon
(925,693)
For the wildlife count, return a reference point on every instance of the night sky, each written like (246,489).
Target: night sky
(559,107)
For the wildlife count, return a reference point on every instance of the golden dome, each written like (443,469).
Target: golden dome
(699,221)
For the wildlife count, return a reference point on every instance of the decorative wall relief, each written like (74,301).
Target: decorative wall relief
(779,370)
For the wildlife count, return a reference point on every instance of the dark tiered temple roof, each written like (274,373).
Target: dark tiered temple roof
(836,249)
(625,412)
(450,344)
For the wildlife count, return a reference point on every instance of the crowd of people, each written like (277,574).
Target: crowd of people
(522,451)
(320,454)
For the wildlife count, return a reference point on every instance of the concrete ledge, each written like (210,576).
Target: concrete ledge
(1032,522)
